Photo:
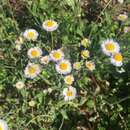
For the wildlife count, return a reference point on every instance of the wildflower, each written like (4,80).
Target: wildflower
(126,29)
(32,103)
(18,47)
(109,47)
(69,93)
(85,54)
(34,52)
(90,65)
(63,67)
(56,55)
(19,41)
(85,42)
(50,25)
(32,70)
(122,17)
(30,34)
(69,79)
(49,90)
(45,60)
(121,1)
(3,125)
(117,59)
(20,85)
(77,65)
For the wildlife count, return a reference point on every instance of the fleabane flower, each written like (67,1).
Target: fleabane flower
(32,70)
(109,47)
(20,85)
(85,54)
(56,55)
(3,125)
(63,67)
(117,59)
(50,25)
(85,42)
(90,65)
(69,93)
(30,34)
(34,52)
(69,79)
(77,65)
(122,17)
(45,59)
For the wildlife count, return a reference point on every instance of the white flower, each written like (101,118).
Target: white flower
(90,65)
(122,17)
(77,65)
(85,42)
(126,29)
(34,52)
(3,125)
(30,34)
(18,47)
(45,60)
(32,70)
(56,55)
(19,41)
(69,79)
(85,54)
(49,90)
(63,67)
(20,85)
(117,59)
(120,1)
(69,93)
(109,47)
(32,103)
(50,25)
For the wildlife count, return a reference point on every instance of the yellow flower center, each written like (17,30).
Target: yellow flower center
(118,57)
(57,55)
(35,53)
(69,93)
(63,66)
(85,54)
(31,35)
(50,23)
(1,128)
(32,69)
(110,46)
(122,17)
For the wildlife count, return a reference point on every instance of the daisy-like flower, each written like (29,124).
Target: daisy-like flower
(30,34)
(45,60)
(77,65)
(90,65)
(109,47)
(3,125)
(122,17)
(69,93)
(69,79)
(85,42)
(57,55)
(20,85)
(32,70)
(63,67)
(32,103)
(34,52)
(50,25)
(117,59)
(85,54)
